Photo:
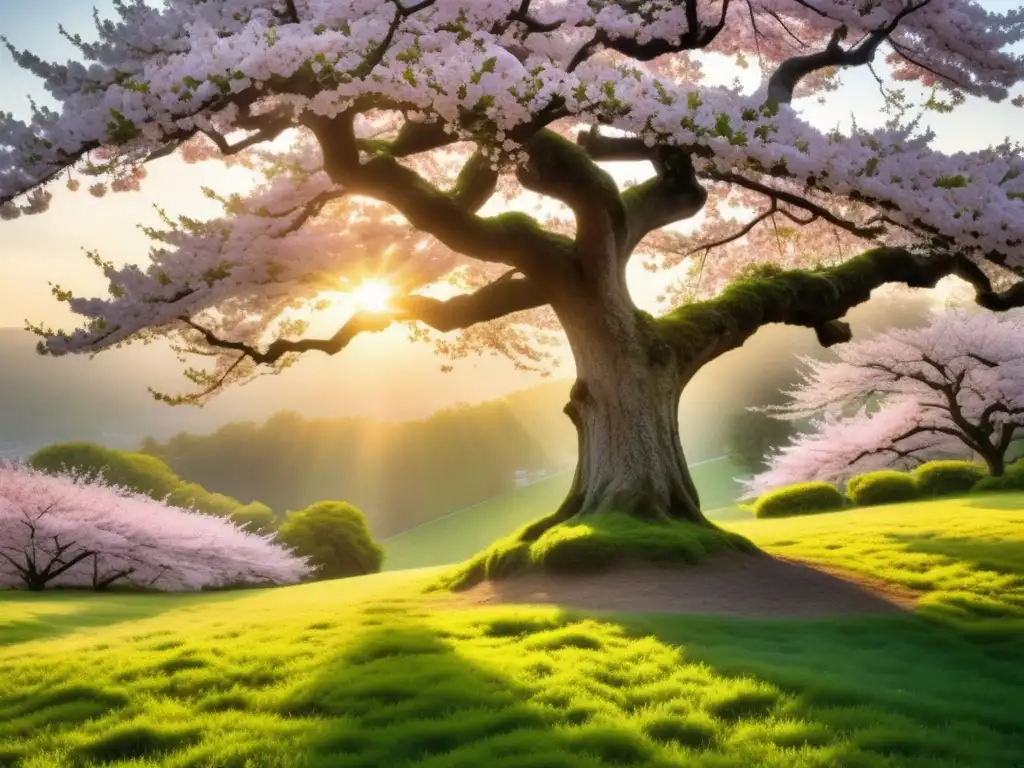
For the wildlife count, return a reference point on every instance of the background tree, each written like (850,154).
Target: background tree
(452,459)
(64,531)
(952,389)
(404,122)
(751,435)
(334,537)
(137,472)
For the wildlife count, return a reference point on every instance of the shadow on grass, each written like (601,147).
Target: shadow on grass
(27,616)
(404,696)
(853,692)
(906,664)
(397,685)
(999,555)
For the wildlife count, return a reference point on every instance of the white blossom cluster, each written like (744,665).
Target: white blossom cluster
(965,368)
(81,531)
(159,77)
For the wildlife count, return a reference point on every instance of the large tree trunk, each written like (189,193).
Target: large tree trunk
(630,456)
(995,460)
(625,407)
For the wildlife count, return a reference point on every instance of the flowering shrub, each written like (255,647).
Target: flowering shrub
(66,531)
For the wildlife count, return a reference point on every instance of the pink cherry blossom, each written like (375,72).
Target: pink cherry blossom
(952,389)
(65,531)
(248,82)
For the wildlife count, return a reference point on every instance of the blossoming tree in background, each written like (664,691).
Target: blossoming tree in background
(954,389)
(474,141)
(63,531)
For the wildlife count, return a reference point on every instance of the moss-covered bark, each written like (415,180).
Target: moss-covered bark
(816,299)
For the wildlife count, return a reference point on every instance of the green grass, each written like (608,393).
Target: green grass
(462,534)
(966,554)
(370,672)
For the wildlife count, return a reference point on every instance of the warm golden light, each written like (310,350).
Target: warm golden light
(372,296)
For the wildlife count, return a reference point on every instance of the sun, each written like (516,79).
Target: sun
(372,296)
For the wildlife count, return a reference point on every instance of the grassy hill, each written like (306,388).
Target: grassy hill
(368,672)
(461,534)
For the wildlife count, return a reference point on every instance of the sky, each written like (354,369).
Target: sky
(35,250)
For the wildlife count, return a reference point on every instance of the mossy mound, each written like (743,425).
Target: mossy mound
(593,544)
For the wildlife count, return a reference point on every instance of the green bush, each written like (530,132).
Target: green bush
(947,478)
(887,486)
(853,482)
(799,499)
(255,517)
(335,538)
(135,471)
(194,496)
(1012,480)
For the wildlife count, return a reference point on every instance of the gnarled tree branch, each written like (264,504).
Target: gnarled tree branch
(674,194)
(559,169)
(705,330)
(513,239)
(784,80)
(504,296)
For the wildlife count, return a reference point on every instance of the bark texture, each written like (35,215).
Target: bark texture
(625,407)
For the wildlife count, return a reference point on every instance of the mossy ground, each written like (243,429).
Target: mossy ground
(595,543)
(370,672)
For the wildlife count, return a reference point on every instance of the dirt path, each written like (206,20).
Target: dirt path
(736,585)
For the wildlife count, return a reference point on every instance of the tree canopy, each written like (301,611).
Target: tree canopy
(428,109)
(470,143)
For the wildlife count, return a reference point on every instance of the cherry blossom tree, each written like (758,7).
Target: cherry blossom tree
(953,389)
(486,144)
(66,531)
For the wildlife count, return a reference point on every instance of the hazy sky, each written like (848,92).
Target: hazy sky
(37,249)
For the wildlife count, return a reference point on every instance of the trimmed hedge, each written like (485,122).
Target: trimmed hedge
(1012,480)
(886,486)
(799,499)
(853,482)
(947,478)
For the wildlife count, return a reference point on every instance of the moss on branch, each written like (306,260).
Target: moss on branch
(815,299)
(560,169)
